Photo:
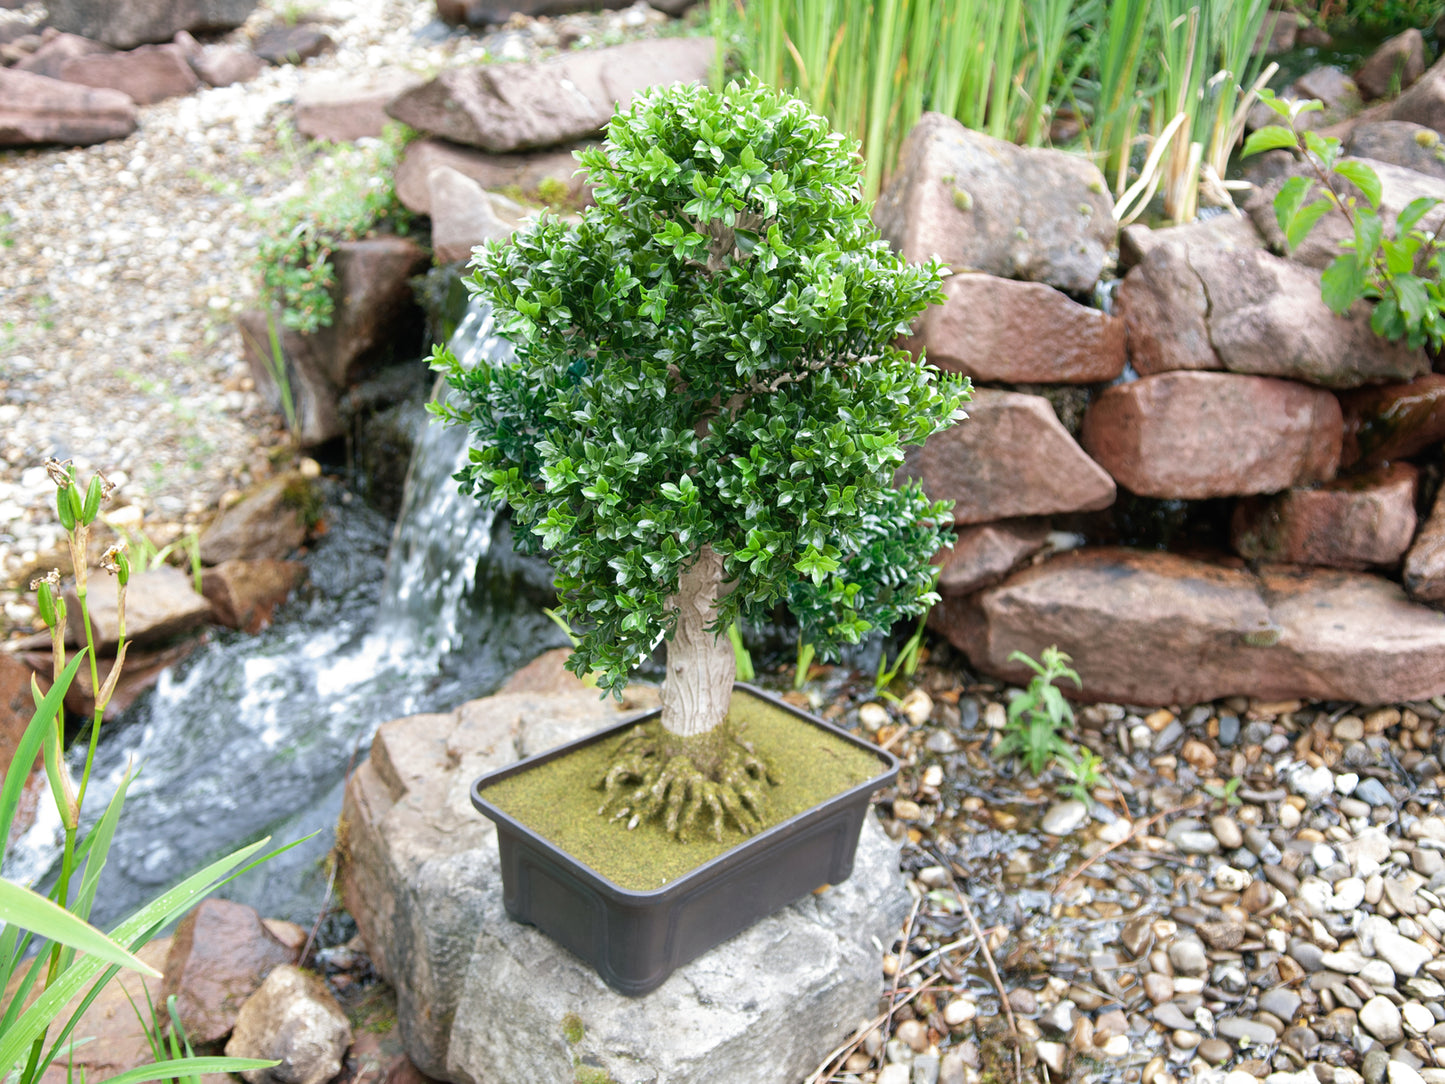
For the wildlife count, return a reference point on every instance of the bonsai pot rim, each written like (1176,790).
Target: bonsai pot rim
(603,918)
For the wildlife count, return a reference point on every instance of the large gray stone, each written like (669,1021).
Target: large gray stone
(981,204)
(483,999)
(127,23)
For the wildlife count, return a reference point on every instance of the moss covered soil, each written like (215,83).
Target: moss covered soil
(559,799)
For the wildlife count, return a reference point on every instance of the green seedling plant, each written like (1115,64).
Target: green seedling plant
(705,418)
(50,954)
(1397,269)
(1226,792)
(1039,717)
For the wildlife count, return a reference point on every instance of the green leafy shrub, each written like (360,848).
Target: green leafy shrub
(707,407)
(346,194)
(1399,273)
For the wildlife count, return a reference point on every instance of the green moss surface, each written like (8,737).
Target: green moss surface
(559,800)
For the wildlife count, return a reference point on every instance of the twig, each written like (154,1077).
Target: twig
(988,959)
(898,974)
(825,1071)
(1132,833)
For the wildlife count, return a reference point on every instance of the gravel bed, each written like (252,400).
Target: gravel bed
(122,264)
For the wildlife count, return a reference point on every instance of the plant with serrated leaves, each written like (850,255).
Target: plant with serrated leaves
(705,417)
(1039,717)
(1398,270)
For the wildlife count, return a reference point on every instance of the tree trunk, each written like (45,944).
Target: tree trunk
(700,666)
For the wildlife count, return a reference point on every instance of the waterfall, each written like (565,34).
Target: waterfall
(253,735)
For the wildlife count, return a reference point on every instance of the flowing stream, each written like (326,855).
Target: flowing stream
(253,735)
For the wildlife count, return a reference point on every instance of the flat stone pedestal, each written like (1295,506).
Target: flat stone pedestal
(484,1000)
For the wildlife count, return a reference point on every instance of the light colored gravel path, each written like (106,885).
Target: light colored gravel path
(121,265)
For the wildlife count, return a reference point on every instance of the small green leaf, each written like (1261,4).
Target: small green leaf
(1415,210)
(1304,221)
(1343,283)
(1363,177)
(1272,137)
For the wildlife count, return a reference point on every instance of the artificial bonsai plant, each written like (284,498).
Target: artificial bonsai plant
(705,416)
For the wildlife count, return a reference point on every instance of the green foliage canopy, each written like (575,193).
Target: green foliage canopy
(706,359)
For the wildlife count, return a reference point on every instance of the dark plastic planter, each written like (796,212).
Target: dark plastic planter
(635,940)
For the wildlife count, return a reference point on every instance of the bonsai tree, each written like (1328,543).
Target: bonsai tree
(705,417)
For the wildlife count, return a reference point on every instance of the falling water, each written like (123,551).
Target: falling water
(253,735)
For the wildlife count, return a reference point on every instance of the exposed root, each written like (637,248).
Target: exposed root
(646,781)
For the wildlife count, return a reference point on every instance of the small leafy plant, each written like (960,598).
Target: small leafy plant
(1039,717)
(705,418)
(1399,273)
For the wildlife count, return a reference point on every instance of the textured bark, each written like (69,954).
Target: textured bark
(700,666)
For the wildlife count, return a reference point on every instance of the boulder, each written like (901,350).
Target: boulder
(465,215)
(1018,332)
(148,74)
(1153,628)
(1192,306)
(270,522)
(17,704)
(510,107)
(1398,188)
(482,998)
(1229,232)
(1399,143)
(985,554)
(1424,573)
(128,23)
(37,109)
(219,955)
(245,594)
(1327,85)
(1424,102)
(556,171)
(1393,421)
(981,204)
(1013,458)
(1363,520)
(160,605)
(291,1017)
(343,110)
(1197,435)
(291,44)
(56,51)
(1393,67)
(371,325)
(1278,34)
(226,65)
(492,12)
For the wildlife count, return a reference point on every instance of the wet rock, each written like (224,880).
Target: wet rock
(1231,631)
(1393,67)
(464,215)
(1196,435)
(245,594)
(127,23)
(1172,1016)
(510,107)
(17,705)
(1381,1018)
(1186,954)
(1064,818)
(291,1017)
(1215,1051)
(423,884)
(528,172)
(985,554)
(1247,311)
(292,44)
(1393,421)
(1355,522)
(148,74)
(270,523)
(35,109)
(1014,458)
(981,204)
(1400,143)
(1281,1002)
(1237,1029)
(219,956)
(996,329)
(1257,896)
(1424,572)
(342,110)
(1224,936)
(1404,956)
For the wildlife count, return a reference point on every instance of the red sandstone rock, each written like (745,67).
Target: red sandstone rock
(1228,232)
(36,109)
(270,522)
(218,957)
(349,109)
(1393,421)
(985,554)
(149,74)
(1019,333)
(1394,66)
(982,204)
(465,215)
(527,171)
(282,44)
(1157,628)
(1011,458)
(1424,574)
(245,594)
(160,604)
(56,51)
(17,705)
(126,23)
(226,65)
(1197,435)
(1355,522)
